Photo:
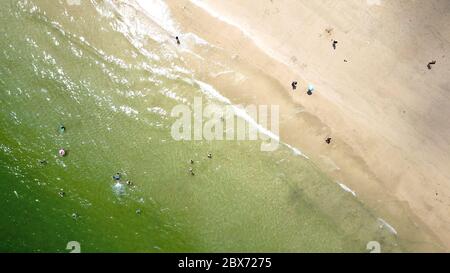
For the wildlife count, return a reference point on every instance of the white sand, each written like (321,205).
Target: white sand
(386,112)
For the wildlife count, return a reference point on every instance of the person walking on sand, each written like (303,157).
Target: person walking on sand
(334,44)
(294,85)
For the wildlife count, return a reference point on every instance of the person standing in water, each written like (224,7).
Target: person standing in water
(62,128)
(62,152)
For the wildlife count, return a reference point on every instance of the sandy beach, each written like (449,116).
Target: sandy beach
(385,111)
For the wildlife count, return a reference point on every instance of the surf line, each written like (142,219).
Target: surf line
(181,129)
(210,91)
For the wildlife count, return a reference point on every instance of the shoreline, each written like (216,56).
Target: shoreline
(300,112)
(112,87)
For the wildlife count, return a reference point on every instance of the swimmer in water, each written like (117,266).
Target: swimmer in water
(116,176)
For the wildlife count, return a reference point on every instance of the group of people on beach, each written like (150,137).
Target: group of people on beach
(309,91)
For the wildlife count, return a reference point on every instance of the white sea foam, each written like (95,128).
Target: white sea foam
(386,225)
(194,38)
(172,95)
(160,14)
(159,26)
(5,148)
(347,189)
(201,4)
(118,188)
(296,151)
(210,91)
(246,30)
(157,110)
(129,111)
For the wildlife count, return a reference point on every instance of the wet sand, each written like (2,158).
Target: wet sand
(385,111)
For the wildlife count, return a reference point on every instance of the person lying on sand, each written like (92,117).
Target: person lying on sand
(178,40)
(431,63)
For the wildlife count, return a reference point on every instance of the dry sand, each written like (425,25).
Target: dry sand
(386,112)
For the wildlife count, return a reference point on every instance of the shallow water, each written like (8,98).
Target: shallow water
(112,76)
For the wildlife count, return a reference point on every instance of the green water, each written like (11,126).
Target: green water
(70,65)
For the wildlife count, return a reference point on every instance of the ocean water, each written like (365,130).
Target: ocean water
(111,72)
